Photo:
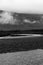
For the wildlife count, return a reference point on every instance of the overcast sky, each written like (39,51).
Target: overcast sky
(28,6)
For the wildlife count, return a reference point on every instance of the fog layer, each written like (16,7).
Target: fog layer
(28,6)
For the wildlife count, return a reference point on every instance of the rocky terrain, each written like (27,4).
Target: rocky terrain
(34,57)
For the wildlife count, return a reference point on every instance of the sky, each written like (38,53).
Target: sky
(25,6)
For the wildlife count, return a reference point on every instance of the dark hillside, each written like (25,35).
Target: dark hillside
(20,44)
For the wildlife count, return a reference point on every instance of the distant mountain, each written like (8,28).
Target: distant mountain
(21,21)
